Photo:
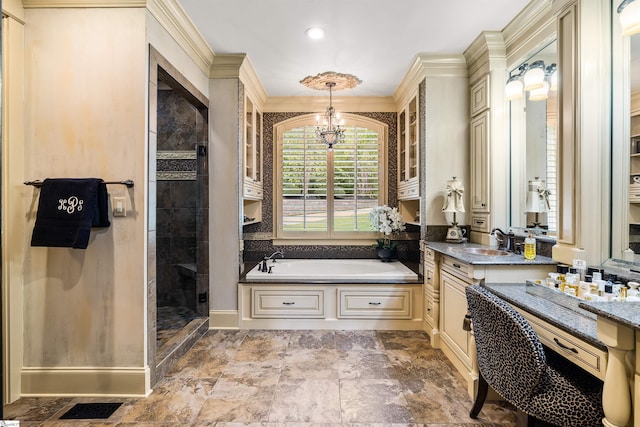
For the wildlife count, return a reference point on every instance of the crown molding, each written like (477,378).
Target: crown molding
(239,66)
(57,4)
(429,65)
(175,20)
(532,28)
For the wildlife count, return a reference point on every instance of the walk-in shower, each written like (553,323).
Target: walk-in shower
(179,301)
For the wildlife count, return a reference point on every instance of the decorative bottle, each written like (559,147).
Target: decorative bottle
(530,247)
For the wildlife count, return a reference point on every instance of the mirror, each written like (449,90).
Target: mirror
(533,143)
(634,151)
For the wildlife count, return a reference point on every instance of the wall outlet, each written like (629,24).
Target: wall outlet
(119,205)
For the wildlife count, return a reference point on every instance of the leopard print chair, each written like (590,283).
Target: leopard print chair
(512,360)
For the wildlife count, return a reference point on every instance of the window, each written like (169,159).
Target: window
(323,194)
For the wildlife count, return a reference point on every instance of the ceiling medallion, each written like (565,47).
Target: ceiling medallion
(329,128)
(341,81)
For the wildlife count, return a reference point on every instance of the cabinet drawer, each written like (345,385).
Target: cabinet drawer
(428,308)
(583,354)
(287,304)
(384,304)
(429,276)
(429,254)
(252,189)
(458,268)
(480,223)
(408,190)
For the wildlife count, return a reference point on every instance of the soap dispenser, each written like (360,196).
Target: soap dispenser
(530,247)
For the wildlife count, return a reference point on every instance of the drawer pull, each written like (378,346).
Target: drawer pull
(456,265)
(571,349)
(375,303)
(288,303)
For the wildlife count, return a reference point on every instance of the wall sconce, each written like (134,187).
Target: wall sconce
(535,78)
(629,11)
(537,199)
(453,204)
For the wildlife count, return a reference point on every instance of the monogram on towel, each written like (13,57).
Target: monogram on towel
(67,209)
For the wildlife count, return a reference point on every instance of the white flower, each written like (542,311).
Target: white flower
(386,220)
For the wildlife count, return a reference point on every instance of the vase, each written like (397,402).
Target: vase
(386,254)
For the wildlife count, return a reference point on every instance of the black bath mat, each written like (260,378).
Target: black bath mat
(84,411)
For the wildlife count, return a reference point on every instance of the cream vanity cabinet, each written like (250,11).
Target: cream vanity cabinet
(252,190)
(330,306)
(454,275)
(431,296)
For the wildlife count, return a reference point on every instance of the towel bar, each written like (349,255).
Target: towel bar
(128,183)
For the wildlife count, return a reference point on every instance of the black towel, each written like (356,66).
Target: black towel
(67,209)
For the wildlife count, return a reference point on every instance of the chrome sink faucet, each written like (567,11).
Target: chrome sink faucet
(508,240)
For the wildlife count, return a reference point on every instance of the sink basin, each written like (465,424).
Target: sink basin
(485,251)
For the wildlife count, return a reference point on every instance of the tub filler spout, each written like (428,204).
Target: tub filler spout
(263,265)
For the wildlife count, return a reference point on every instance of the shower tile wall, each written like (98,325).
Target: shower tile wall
(181,213)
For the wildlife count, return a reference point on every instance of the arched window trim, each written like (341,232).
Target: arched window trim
(309,237)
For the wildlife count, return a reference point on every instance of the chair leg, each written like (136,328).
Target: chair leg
(481,396)
(524,420)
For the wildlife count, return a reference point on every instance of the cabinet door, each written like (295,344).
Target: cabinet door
(249,146)
(480,167)
(408,143)
(479,96)
(252,187)
(453,302)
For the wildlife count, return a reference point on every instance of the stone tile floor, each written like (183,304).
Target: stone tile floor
(293,378)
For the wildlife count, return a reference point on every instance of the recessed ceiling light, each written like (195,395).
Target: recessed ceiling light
(315,33)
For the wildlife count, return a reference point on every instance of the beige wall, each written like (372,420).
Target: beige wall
(84,311)
(85,117)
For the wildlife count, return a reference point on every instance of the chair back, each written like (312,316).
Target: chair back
(510,355)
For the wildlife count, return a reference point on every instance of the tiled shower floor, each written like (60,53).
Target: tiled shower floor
(294,378)
(170,321)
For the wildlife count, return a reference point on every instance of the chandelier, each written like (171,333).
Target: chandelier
(329,127)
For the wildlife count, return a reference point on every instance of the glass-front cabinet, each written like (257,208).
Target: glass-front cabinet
(634,173)
(408,154)
(252,190)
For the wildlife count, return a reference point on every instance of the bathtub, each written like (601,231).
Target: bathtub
(333,271)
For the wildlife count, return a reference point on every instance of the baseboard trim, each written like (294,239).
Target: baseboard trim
(224,319)
(89,381)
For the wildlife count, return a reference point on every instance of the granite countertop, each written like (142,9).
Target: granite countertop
(457,250)
(581,324)
(626,313)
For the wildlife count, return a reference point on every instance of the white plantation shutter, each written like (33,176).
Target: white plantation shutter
(329,194)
